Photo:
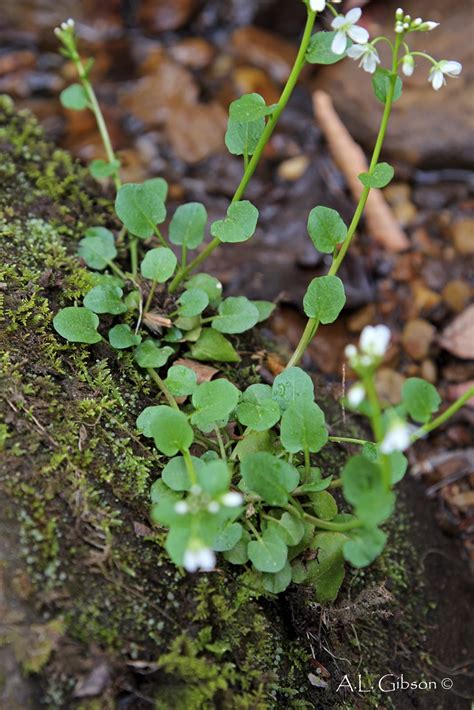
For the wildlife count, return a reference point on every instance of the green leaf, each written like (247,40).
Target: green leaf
(214,478)
(239,225)
(278,582)
(175,474)
(158,264)
(270,477)
(314,482)
(249,107)
(238,555)
(213,401)
(324,299)
(257,410)
(122,336)
(381,175)
(103,169)
(228,537)
(77,325)
(188,225)
(326,572)
(141,206)
(192,302)
(181,380)
(74,98)
(264,308)
(236,315)
(326,229)
(292,385)
(420,399)
(319,50)
(211,345)
(303,427)
(171,431)
(242,138)
(364,489)
(252,442)
(269,553)
(381,84)
(208,284)
(364,545)
(160,491)
(145,421)
(398,462)
(324,505)
(105,299)
(290,528)
(97,248)
(148,354)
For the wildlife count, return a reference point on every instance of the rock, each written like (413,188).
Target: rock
(364,316)
(199,132)
(293,168)
(424,299)
(429,371)
(161,15)
(389,385)
(264,50)
(456,294)
(417,337)
(441,132)
(398,197)
(458,337)
(193,52)
(462,233)
(456,391)
(250,80)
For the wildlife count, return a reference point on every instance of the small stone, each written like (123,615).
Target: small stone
(398,196)
(364,316)
(389,385)
(265,50)
(249,80)
(458,337)
(293,168)
(462,233)
(193,52)
(424,299)
(161,15)
(456,294)
(429,371)
(417,337)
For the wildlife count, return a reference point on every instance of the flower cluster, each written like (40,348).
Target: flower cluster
(373,344)
(65,28)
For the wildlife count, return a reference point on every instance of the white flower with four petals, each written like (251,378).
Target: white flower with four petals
(345,26)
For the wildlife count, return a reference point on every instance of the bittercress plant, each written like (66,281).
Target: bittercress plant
(237,466)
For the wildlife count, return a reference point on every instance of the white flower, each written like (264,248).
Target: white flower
(213,506)
(345,26)
(397,437)
(367,54)
(181,507)
(442,69)
(408,65)
(428,26)
(232,499)
(356,395)
(198,557)
(350,352)
(319,5)
(374,340)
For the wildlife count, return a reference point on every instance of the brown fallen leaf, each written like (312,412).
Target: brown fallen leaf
(456,391)
(458,337)
(350,158)
(204,373)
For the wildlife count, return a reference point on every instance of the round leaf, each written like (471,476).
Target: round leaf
(171,431)
(278,582)
(381,84)
(158,264)
(181,380)
(319,50)
(364,489)
(188,225)
(148,354)
(292,385)
(257,410)
(236,315)
(97,248)
(208,284)
(211,345)
(420,399)
(242,138)
(269,553)
(213,401)
(141,206)
(239,225)
(381,175)
(326,229)
(364,546)
(303,427)
(324,299)
(175,474)
(192,302)
(74,97)
(77,325)
(121,337)
(105,298)
(270,477)
(249,107)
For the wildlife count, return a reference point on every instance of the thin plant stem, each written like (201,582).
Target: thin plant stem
(164,389)
(313,323)
(265,137)
(442,418)
(150,296)
(377,425)
(221,444)
(348,440)
(189,466)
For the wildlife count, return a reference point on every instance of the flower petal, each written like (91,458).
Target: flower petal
(358,34)
(339,43)
(451,67)
(356,51)
(338,22)
(317,5)
(354,15)
(437,79)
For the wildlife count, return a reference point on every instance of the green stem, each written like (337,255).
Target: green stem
(117,270)
(133,246)
(328,525)
(160,236)
(156,378)
(377,426)
(150,296)
(348,440)
(313,323)
(221,444)
(427,428)
(189,466)
(265,137)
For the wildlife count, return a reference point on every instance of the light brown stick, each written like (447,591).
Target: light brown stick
(351,160)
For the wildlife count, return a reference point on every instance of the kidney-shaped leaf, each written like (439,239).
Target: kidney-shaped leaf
(158,264)
(188,225)
(270,477)
(324,299)
(303,427)
(326,229)
(97,248)
(292,385)
(236,315)
(213,401)
(420,398)
(149,354)
(171,431)
(257,410)
(141,206)
(105,298)
(239,225)
(77,325)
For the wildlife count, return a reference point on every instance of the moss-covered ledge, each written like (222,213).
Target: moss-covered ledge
(78,476)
